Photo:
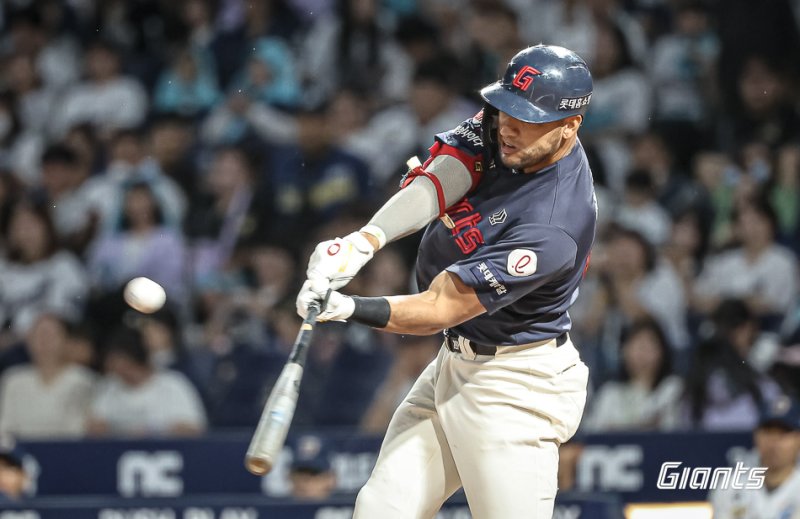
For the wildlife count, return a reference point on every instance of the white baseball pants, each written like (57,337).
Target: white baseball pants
(491,424)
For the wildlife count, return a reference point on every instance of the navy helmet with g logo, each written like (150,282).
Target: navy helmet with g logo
(541,84)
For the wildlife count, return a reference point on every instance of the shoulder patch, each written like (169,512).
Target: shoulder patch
(521,262)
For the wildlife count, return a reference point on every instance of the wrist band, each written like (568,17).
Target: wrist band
(372,311)
(376,231)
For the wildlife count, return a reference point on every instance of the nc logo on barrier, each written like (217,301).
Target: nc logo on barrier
(150,474)
(604,468)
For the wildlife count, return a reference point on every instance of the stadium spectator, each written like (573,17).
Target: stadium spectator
(640,211)
(311,474)
(35,275)
(19,149)
(764,112)
(569,455)
(237,117)
(63,184)
(161,334)
(784,194)
(224,214)
(647,394)
(136,399)
(724,390)
(664,158)
(777,440)
(11,190)
(34,101)
(49,398)
(411,356)
(398,132)
(107,99)
(682,66)
(494,38)
(352,46)
(13,477)
(129,163)
(188,86)
(239,24)
(687,247)
(315,180)
(620,104)
(639,283)
(142,245)
(171,143)
(57,56)
(269,75)
(758,270)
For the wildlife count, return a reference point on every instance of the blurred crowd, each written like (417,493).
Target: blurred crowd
(210,144)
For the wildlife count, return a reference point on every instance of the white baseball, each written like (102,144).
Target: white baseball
(145,295)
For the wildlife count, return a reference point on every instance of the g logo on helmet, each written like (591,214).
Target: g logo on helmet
(334,249)
(524,77)
(521,263)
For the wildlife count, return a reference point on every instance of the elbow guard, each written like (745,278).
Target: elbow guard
(415,170)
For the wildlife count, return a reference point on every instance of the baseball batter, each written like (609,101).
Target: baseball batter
(777,440)
(508,201)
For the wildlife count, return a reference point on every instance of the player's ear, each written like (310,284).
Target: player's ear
(571,125)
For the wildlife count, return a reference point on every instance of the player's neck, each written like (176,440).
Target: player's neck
(563,150)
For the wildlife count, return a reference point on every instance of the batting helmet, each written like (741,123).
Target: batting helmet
(541,84)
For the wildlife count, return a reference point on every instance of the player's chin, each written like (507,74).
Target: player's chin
(510,160)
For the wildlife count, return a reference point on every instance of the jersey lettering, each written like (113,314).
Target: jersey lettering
(472,237)
(489,276)
(470,240)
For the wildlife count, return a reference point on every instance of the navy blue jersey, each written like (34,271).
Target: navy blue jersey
(521,241)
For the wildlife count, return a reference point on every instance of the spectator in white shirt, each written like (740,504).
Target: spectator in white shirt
(63,176)
(641,284)
(106,98)
(130,164)
(646,396)
(35,276)
(759,270)
(136,399)
(397,133)
(640,210)
(49,398)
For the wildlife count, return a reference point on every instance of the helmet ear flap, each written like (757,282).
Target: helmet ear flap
(489,134)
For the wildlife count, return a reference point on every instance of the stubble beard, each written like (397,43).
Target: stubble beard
(529,157)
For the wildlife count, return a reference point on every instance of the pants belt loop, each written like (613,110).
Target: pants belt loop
(466,348)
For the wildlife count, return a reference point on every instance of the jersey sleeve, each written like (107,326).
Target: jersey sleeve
(463,142)
(523,260)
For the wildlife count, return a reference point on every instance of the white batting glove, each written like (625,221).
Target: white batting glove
(305,298)
(335,262)
(339,307)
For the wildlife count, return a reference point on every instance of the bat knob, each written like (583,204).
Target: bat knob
(257,466)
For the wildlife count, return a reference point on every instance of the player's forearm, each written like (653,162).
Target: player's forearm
(418,315)
(447,303)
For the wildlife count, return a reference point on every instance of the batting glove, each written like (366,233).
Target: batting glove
(339,307)
(335,262)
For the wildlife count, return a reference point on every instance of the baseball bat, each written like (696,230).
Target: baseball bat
(270,435)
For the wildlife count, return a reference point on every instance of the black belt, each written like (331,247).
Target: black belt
(451,340)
